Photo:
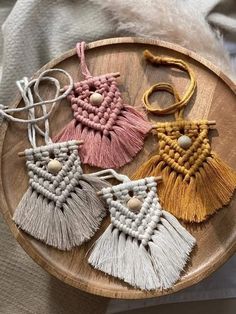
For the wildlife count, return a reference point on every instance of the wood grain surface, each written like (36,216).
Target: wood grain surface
(215,99)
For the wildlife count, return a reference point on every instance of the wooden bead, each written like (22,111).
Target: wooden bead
(184,141)
(134,204)
(54,166)
(96,99)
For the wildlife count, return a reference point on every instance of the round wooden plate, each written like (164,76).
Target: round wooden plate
(215,99)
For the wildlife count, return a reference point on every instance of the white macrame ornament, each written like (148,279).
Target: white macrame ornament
(61,206)
(147,249)
(63,209)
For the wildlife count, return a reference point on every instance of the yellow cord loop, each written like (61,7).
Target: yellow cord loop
(160,87)
(180,103)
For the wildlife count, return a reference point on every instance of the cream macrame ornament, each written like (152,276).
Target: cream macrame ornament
(61,206)
(144,245)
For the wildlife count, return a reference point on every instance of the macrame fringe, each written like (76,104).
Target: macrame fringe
(156,266)
(114,150)
(194,201)
(66,227)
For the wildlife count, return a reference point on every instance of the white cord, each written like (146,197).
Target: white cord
(27,89)
(110,174)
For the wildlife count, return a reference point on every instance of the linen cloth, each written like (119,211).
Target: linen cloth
(34,32)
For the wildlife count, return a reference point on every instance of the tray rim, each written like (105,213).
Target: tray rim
(33,252)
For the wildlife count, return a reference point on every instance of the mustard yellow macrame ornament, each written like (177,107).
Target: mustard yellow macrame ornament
(196,182)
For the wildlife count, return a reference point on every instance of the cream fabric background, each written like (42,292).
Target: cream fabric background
(38,30)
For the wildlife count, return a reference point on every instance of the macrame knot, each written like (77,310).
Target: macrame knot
(102,117)
(184,161)
(139,225)
(55,187)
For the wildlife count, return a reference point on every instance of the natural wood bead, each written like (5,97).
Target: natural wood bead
(134,204)
(96,99)
(54,166)
(184,141)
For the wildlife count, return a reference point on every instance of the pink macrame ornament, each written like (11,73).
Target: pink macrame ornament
(113,132)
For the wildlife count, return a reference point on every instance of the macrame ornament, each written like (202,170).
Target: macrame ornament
(60,207)
(144,245)
(196,182)
(113,132)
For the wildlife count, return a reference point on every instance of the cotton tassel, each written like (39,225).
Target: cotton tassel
(61,208)
(144,245)
(113,132)
(195,181)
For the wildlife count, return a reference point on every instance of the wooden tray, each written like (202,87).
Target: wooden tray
(215,99)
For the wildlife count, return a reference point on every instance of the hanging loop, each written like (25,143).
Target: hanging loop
(24,86)
(80,49)
(110,174)
(30,91)
(180,103)
(167,88)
